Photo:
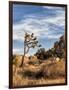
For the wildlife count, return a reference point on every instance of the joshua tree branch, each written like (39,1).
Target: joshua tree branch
(27,50)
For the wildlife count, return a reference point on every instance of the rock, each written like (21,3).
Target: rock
(57,59)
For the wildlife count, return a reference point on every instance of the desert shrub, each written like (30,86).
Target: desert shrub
(17,60)
(14,61)
(54,70)
(33,75)
(33,71)
(28,73)
(34,62)
(14,57)
(40,53)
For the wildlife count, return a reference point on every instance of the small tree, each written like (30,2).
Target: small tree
(30,41)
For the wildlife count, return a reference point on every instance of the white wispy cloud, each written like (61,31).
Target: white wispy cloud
(53,7)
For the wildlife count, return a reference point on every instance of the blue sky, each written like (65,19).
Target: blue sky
(46,22)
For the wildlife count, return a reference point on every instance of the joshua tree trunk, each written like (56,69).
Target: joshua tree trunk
(23,55)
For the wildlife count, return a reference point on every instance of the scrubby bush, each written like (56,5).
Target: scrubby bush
(55,70)
(40,53)
(33,60)
(17,60)
(33,71)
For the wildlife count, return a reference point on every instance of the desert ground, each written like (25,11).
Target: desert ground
(37,72)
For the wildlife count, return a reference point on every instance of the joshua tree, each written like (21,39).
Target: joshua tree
(30,41)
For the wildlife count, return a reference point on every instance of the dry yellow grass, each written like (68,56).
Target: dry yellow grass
(47,72)
(18,81)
